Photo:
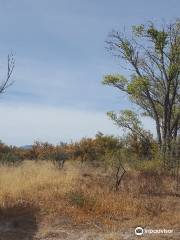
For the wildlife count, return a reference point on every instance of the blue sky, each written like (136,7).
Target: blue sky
(60,61)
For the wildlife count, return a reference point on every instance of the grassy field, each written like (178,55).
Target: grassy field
(82,195)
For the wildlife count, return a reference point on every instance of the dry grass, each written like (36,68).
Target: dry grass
(82,194)
(36,184)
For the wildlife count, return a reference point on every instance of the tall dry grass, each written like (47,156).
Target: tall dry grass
(39,184)
(82,193)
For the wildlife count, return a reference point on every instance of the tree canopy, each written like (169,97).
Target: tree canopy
(153,54)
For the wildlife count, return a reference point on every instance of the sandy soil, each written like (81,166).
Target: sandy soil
(23,228)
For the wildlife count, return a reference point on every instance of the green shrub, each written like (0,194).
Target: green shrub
(81,200)
(9,158)
(77,198)
(59,158)
(154,165)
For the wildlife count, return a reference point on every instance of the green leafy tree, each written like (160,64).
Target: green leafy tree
(153,54)
(128,119)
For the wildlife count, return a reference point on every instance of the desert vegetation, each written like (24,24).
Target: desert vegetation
(102,182)
(110,182)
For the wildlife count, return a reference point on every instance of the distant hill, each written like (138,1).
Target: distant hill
(26,147)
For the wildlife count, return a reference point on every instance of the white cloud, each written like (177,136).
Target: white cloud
(24,124)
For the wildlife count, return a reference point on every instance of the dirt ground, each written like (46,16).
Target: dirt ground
(23,228)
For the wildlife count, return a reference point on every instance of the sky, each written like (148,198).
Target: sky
(60,54)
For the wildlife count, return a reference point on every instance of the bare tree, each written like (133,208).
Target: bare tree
(7,82)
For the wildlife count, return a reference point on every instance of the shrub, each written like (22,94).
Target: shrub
(154,165)
(58,158)
(77,198)
(9,158)
(80,199)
